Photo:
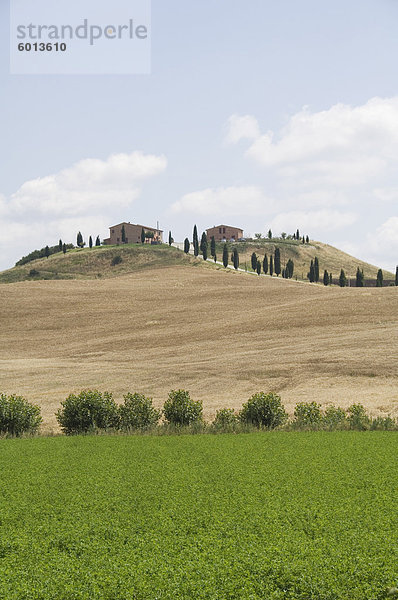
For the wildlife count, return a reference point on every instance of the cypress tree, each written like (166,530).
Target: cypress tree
(277,262)
(204,251)
(123,235)
(303,240)
(342,279)
(170,239)
(195,241)
(187,245)
(325,278)
(379,281)
(289,269)
(258,267)
(269,234)
(265,264)
(225,256)
(215,257)
(142,236)
(330,279)
(203,241)
(316,269)
(90,241)
(212,246)
(254,261)
(98,241)
(235,261)
(46,251)
(297,234)
(271,265)
(64,248)
(311,274)
(307,239)
(79,240)
(284,275)
(60,245)
(396,276)
(359,278)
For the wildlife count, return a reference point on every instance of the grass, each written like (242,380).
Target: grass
(96,262)
(286,516)
(221,335)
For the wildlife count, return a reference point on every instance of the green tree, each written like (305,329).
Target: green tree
(123,235)
(90,241)
(316,269)
(379,280)
(396,276)
(258,267)
(325,278)
(297,234)
(311,274)
(79,240)
(46,251)
(142,236)
(60,245)
(277,262)
(225,256)
(212,246)
(271,265)
(283,235)
(64,248)
(269,234)
(195,241)
(263,410)
(179,409)
(265,264)
(254,261)
(203,242)
(226,420)
(307,414)
(289,268)
(357,417)
(235,260)
(342,279)
(88,411)
(170,238)
(330,279)
(307,240)
(303,240)
(204,251)
(98,241)
(359,278)
(215,257)
(187,246)
(138,412)
(18,416)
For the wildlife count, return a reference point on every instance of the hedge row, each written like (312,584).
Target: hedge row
(92,411)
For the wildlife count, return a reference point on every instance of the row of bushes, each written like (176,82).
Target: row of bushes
(93,411)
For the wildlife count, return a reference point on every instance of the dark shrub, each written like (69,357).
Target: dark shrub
(179,409)
(34,273)
(18,416)
(87,412)
(116,260)
(263,410)
(138,412)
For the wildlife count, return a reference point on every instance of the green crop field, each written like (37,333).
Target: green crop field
(265,515)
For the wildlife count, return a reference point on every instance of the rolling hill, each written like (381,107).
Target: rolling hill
(223,335)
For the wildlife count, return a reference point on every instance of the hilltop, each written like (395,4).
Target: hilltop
(102,262)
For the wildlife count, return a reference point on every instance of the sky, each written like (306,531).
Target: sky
(256,114)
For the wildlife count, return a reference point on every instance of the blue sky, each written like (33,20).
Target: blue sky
(256,114)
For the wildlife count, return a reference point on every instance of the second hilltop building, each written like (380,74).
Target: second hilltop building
(225,233)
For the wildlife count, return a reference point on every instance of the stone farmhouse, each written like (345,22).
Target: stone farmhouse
(224,233)
(133,234)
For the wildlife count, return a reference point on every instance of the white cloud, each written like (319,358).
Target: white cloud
(90,184)
(224,201)
(82,197)
(240,128)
